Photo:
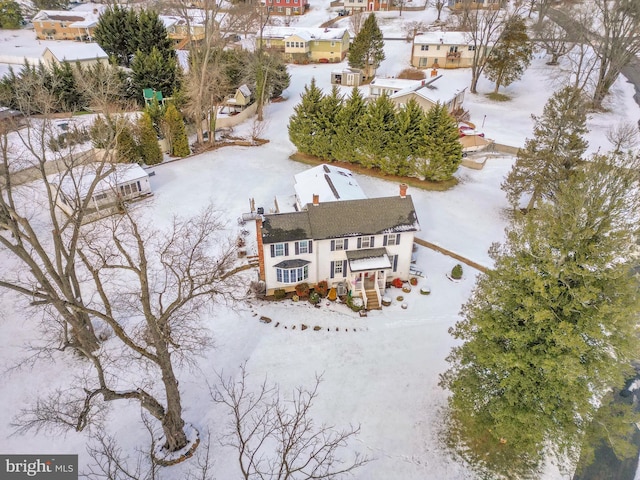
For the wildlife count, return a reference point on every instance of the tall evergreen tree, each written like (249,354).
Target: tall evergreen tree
(324,141)
(151,33)
(552,154)
(348,141)
(148,140)
(366,52)
(65,87)
(156,71)
(10,15)
(127,150)
(441,152)
(177,132)
(304,123)
(410,119)
(551,330)
(380,129)
(116,33)
(511,55)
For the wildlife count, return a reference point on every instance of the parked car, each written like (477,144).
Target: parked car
(343,13)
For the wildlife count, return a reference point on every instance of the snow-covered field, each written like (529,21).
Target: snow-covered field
(380,372)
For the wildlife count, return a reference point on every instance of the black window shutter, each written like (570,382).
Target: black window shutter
(286,249)
(373,241)
(344,268)
(398,239)
(346,244)
(310,246)
(359,242)
(297,244)
(273,250)
(395,263)
(333,245)
(332,265)
(384,241)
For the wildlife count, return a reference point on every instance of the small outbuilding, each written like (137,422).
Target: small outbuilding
(349,77)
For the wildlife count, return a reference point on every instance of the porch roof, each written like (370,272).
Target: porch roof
(295,263)
(368,259)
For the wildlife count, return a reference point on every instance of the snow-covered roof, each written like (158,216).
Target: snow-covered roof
(169,21)
(442,92)
(394,83)
(369,259)
(330,183)
(307,33)
(80,51)
(80,179)
(244,90)
(444,38)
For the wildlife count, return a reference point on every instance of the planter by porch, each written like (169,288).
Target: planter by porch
(425,291)
(333,294)
(386,301)
(406,289)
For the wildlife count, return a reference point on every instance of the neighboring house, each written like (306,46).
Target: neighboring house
(357,245)
(349,77)
(65,24)
(286,7)
(389,86)
(49,52)
(127,182)
(369,5)
(303,45)
(182,33)
(429,92)
(239,101)
(460,4)
(442,50)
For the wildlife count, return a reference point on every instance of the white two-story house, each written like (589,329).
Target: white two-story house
(356,245)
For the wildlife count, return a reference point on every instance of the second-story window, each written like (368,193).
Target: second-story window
(366,242)
(424,48)
(279,249)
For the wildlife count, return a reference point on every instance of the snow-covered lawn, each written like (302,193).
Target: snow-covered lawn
(380,371)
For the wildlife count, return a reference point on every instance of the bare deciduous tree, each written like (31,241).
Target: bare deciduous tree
(356,20)
(412,28)
(276,438)
(554,39)
(144,286)
(623,137)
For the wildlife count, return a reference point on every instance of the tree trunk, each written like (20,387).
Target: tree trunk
(475,77)
(172,422)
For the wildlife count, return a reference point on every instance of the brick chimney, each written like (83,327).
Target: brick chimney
(316,199)
(403,190)
(260,248)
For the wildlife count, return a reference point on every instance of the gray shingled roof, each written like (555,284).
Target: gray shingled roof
(347,218)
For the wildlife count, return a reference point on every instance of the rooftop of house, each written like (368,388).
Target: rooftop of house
(394,83)
(444,38)
(305,33)
(349,218)
(329,182)
(431,90)
(79,18)
(78,180)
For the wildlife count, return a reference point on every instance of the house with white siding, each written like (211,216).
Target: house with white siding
(356,245)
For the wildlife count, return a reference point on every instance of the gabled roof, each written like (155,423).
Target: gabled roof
(271,31)
(80,51)
(443,92)
(78,180)
(349,218)
(329,182)
(444,38)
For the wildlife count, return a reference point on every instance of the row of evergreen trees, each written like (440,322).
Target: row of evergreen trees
(137,141)
(402,141)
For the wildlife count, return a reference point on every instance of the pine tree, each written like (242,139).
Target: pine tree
(551,330)
(65,88)
(441,152)
(348,143)
(304,123)
(366,52)
(115,33)
(379,128)
(151,33)
(156,71)
(148,140)
(410,119)
(177,132)
(511,55)
(10,15)
(127,150)
(324,141)
(552,154)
